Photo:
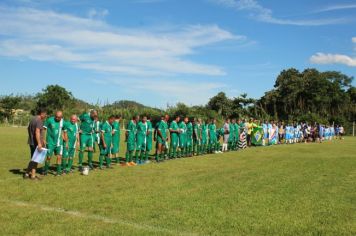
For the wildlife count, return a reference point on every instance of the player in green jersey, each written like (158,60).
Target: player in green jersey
(106,138)
(141,140)
(189,138)
(71,137)
(204,138)
(54,140)
(162,138)
(116,139)
(197,136)
(236,130)
(86,137)
(174,132)
(182,137)
(212,136)
(131,131)
(149,139)
(96,134)
(231,139)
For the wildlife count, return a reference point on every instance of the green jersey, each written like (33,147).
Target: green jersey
(149,129)
(236,130)
(142,130)
(87,123)
(116,130)
(106,130)
(72,130)
(204,131)
(212,130)
(162,126)
(183,128)
(189,130)
(132,131)
(197,131)
(174,126)
(54,131)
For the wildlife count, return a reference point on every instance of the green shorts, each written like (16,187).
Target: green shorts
(68,152)
(174,142)
(189,142)
(160,140)
(149,143)
(141,144)
(86,141)
(131,146)
(115,149)
(56,150)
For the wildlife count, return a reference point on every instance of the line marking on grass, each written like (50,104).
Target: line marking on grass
(99,218)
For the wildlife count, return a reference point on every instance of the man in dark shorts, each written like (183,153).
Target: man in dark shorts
(35,140)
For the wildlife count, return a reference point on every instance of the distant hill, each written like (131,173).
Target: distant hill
(129,105)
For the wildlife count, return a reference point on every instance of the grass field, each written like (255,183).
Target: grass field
(302,189)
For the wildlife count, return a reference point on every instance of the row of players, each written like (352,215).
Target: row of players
(181,138)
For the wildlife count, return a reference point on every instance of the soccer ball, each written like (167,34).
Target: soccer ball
(85,170)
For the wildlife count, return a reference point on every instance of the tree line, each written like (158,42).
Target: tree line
(310,95)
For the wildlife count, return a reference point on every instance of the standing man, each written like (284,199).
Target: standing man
(204,138)
(227,136)
(197,136)
(116,138)
(236,134)
(54,139)
(131,131)
(149,139)
(35,140)
(212,136)
(182,137)
(174,133)
(162,138)
(71,138)
(106,136)
(189,138)
(86,136)
(141,140)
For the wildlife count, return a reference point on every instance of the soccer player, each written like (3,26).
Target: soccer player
(71,137)
(197,136)
(182,137)
(149,139)
(162,138)
(226,136)
(204,138)
(131,131)
(231,136)
(54,139)
(96,134)
(236,136)
(212,136)
(116,139)
(189,138)
(141,140)
(174,133)
(106,145)
(86,137)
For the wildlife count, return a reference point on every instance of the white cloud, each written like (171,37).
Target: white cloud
(94,13)
(91,43)
(337,7)
(264,14)
(322,58)
(328,58)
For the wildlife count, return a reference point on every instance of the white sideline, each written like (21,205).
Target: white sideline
(98,218)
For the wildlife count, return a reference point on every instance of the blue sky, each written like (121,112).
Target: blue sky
(160,52)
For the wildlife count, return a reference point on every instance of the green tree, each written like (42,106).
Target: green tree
(8,105)
(55,97)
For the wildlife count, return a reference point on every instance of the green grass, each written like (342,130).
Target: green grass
(302,189)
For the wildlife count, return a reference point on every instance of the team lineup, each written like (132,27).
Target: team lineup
(176,138)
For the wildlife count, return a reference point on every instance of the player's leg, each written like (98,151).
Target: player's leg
(65,156)
(59,153)
(47,165)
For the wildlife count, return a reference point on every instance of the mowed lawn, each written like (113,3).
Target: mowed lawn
(301,189)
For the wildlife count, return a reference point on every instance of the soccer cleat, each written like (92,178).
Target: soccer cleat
(125,164)
(132,163)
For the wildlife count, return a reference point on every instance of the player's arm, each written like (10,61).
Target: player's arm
(102,138)
(38,139)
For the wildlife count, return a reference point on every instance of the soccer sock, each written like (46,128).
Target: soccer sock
(59,168)
(70,163)
(64,163)
(108,161)
(101,160)
(81,156)
(127,156)
(130,156)
(142,156)
(146,155)
(136,156)
(46,167)
(156,156)
(90,159)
